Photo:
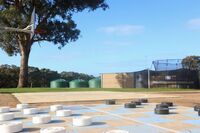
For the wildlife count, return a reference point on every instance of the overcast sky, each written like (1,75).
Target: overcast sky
(127,37)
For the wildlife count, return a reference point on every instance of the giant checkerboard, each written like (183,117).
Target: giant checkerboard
(108,117)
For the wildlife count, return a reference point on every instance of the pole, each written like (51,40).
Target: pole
(149,84)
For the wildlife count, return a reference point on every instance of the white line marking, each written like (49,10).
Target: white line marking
(125,118)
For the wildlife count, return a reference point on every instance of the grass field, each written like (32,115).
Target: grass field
(27,90)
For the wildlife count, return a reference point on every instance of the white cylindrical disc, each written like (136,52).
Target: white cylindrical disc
(41,119)
(4,109)
(56,107)
(22,106)
(7,116)
(53,130)
(11,127)
(30,111)
(63,113)
(82,121)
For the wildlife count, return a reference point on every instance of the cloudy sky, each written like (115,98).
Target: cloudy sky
(126,37)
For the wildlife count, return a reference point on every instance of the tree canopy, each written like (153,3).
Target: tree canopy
(191,62)
(54,23)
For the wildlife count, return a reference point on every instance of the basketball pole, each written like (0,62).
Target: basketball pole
(148,78)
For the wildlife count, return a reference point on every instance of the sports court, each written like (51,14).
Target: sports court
(108,117)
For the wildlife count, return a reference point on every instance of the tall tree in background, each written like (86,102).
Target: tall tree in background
(191,62)
(53,24)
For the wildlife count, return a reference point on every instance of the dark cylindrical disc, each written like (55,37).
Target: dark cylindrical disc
(110,102)
(168,103)
(129,105)
(143,100)
(162,106)
(197,107)
(161,111)
(136,102)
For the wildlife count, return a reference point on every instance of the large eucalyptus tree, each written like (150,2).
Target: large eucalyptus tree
(53,23)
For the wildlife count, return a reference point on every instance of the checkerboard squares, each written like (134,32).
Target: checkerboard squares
(113,123)
(177,125)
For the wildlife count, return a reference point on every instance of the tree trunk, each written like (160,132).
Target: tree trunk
(23,74)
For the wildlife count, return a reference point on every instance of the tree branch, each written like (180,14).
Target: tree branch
(40,39)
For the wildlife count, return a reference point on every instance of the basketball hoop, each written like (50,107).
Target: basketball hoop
(30,29)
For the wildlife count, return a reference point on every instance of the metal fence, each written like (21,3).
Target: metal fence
(180,78)
(170,73)
(167,64)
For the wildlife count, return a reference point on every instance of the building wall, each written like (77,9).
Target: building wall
(180,78)
(117,80)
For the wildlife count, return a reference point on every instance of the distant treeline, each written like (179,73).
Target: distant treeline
(9,75)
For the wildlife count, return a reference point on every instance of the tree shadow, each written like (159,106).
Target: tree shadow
(125,80)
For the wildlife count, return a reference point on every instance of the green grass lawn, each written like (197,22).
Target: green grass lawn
(26,90)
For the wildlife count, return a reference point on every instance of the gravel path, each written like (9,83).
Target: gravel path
(8,100)
(180,98)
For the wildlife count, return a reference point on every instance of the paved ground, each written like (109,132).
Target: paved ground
(181,98)
(84,96)
(108,117)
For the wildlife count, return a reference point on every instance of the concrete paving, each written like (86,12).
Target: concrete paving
(47,97)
